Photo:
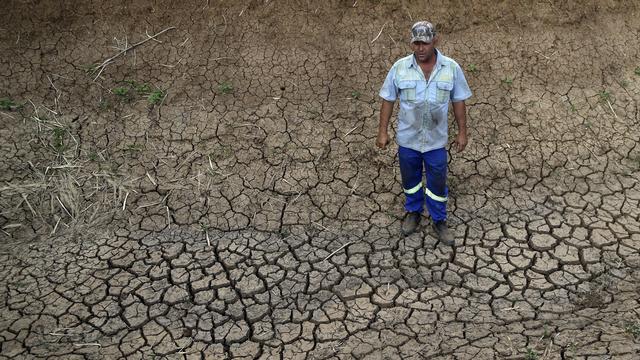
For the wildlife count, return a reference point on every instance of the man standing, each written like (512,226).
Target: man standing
(425,81)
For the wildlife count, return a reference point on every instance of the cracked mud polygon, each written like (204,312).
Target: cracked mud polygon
(215,191)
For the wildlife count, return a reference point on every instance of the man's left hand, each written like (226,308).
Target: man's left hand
(461,141)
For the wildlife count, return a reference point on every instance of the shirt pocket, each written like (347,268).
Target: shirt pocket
(407,90)
(443,91)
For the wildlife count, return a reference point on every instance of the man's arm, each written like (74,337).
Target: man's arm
(385,115)
(459,112)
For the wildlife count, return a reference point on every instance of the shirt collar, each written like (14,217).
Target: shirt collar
(438,60)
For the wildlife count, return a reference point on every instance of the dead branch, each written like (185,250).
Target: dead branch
(104,64)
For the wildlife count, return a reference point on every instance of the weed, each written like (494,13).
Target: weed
(143,89)
(624,84)
(633,329)
(121,91)
(573,108)
(225,88)
(6,104)
(507,80)
(531,354)
(93,156)
(604,95)
(472,68)
(355,94)
(156,96)
(140,88)
(90,68)
(221,152)
(637,71)
(103,104)
(134,148)
(58,139)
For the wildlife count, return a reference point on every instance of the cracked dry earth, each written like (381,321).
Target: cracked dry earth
(215,192)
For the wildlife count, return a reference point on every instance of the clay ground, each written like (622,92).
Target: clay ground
(215,192)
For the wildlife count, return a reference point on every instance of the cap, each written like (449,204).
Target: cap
(423,31)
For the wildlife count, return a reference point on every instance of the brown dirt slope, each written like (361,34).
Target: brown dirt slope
(215,191)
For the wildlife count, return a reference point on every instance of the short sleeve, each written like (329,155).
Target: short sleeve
(389,91)
(461,91)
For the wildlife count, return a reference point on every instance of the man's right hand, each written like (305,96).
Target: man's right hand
(382,140)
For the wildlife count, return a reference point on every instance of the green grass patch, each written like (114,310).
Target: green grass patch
(605,96)
(156,96)
(355,94)
(103,104)
(93,156)
(7,104)
(637,71)
(57,139)
(225,88)
(472,68)
(121,91)
(90,68)
(633,329)
(134,148)
(221,152)
(531,355)
(507,80)
(131,89)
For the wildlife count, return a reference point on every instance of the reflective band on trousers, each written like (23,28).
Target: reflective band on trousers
(414,189)
(434,196)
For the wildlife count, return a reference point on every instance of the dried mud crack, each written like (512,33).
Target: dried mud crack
(215,192)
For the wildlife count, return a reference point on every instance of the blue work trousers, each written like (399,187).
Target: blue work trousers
(412,163)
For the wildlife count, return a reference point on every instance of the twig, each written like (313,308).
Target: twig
(541,54)
(7,115)
(186,160)
(55,227)
(104,64)
(147,33)
(394,42)
(376,38)
(154,204)
(323,227)
(124,203)
(63,207)
(611,107)
(338,249)
(29,205)
(350,131)
(151,179)
(87,344)
(206,233)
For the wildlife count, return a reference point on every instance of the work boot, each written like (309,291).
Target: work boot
(443,232)
(410,223)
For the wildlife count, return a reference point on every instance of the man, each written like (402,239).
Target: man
(425,81)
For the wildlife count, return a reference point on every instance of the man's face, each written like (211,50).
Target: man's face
(422,50)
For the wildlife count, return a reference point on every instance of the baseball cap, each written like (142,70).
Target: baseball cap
(423,31)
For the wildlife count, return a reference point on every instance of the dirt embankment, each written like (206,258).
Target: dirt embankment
(215,190)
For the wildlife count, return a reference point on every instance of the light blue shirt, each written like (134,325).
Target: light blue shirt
(424,104)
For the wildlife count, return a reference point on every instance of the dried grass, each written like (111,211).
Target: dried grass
(59,189)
